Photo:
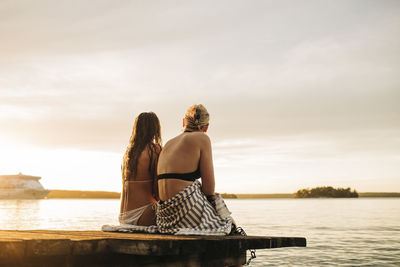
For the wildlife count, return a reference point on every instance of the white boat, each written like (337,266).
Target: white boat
(21,186)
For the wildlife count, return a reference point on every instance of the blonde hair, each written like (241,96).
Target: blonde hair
(196,117)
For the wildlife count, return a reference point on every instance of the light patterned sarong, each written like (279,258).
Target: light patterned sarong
(130,228)
(128,221)
(190,213)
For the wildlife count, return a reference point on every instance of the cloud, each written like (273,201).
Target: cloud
(286,164)
(305,82)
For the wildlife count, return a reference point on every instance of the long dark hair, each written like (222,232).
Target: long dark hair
(146,132)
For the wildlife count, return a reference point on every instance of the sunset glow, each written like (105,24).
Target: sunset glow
(297,97)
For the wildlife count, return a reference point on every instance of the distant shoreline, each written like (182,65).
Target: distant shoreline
(286,195)
(82,194)
(65,194)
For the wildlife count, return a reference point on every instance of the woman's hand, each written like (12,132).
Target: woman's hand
(211,199)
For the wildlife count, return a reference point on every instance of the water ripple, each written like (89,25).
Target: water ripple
(361,232)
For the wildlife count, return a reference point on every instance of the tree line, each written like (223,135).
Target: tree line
(325,191)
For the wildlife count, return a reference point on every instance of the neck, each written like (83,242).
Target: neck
(187,130)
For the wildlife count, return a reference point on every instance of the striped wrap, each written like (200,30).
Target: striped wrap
(190,213)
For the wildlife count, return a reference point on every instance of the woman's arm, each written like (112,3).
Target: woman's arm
(155,179)
(206,166)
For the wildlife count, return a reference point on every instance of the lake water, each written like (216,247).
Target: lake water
(339,232)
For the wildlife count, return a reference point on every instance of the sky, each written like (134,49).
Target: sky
(300,93)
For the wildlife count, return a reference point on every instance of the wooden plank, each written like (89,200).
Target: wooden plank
(148,243)
(90,247)
(243,242)
(85,235)
(279,242)
(96,248)
(47,247)
(28,235)
(12,252)
(11,248)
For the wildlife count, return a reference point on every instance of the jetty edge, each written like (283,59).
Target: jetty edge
(97,248)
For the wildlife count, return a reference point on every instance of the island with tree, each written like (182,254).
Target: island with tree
(326,192)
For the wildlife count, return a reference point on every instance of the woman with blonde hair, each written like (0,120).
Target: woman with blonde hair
(187,206)
(139,172)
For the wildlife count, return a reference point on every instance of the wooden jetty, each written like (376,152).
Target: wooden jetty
(96,248)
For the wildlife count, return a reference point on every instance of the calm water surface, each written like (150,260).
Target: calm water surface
(339,232)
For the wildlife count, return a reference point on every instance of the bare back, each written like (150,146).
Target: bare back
(184,154)
(138,191)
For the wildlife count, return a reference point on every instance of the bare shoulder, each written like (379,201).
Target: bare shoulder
(169,143)
(165,147)
(201,138)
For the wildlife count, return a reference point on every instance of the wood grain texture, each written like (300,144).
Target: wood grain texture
(57,248)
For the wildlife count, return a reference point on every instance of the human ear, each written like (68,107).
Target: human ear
(205,128)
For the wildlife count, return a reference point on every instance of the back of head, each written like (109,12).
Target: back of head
(146,129)
(196,117)
(146,132)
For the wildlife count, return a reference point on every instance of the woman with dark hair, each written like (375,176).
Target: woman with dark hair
(139,172)
(187,206)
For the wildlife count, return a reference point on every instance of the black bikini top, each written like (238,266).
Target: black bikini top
(190,176)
